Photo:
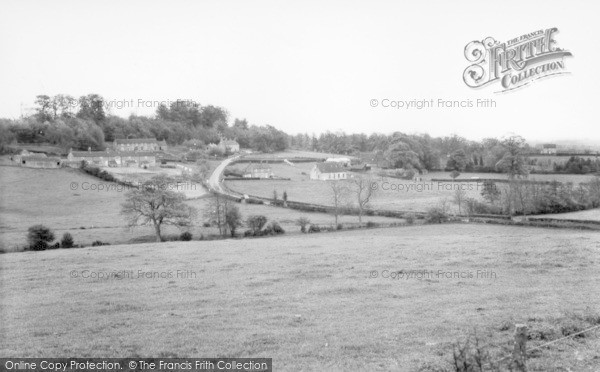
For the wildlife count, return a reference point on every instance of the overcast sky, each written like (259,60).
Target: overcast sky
(304,66)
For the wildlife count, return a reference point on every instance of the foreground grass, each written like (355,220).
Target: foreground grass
(308,301)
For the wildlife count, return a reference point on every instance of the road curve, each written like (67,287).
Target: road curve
(214,181)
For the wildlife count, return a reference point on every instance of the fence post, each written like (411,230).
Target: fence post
(519,352)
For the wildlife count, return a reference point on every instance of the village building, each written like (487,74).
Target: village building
(40,162)
(229,146)
(341,160)
(143,159)
(549,148)
(262,170)
(328,171)
(139,144)
(97,158)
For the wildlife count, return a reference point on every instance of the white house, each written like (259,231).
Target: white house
(328,171)
(258,171)
(549,148)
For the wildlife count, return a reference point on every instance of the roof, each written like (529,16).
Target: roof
(27,154)
(110,154)
(330,168)
(549,146)
(125,141)
(338,160)
(258,167)
(91,154)
(41,158)
(135,153)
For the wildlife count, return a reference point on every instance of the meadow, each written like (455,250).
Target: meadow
(391,193)
(316,302)
(65,200)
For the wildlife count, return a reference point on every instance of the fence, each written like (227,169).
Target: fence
(518,358)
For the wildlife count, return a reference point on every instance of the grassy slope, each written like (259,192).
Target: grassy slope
(307,302)
(32,196)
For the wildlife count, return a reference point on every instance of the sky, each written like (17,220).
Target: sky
(304,66)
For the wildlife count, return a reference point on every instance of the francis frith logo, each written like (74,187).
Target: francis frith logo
(514,63)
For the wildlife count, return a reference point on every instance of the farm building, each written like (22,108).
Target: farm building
(98,158)
(229,146)
(109,158)
(328,171)
(549,148)
(25,154)
(40,162)
(258,171)
(342,161)
(139,144)
(142,159)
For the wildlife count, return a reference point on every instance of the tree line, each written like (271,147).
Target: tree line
(83,123)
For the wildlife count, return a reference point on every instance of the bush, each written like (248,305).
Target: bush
(185,236)
(477,207)
(303,222)
(67,241)
(314,229)
(372,224)
(54,246)
(410,218)
(206,224)
(38,237)
(276,228)
(98,243)
(339,226)
(256,223)
(436,215)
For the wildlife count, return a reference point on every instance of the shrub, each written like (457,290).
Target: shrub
(185,236)
(303,222)
(436,215)
(256,223)
(67,241)
(372,224)
(477,207)
(38,237)
(339,226)
(410,218)
(206,224)
(248,233)
(314,229)
(54,246)
(276,228)
(99,243)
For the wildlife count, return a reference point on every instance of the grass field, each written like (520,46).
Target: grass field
(311,302)
(394,194)
(45,196)
(591,214)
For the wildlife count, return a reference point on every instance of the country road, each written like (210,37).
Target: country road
(215,178)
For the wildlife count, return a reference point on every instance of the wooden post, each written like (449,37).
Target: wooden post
(519,352)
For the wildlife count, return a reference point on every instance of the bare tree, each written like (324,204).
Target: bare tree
(339,192)
(460,197)
(154,203)
(216,213)
(364,191)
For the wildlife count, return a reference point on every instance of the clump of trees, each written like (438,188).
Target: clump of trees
(39,237)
